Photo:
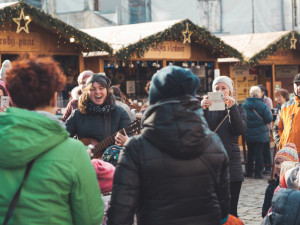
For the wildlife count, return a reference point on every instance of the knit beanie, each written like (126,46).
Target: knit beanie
(287,154)
(223,79)
(105,174)
(99,78)
(172,81)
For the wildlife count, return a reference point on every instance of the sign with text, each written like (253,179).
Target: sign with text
(10,41)
(240,70)
(169,50)
(286,71)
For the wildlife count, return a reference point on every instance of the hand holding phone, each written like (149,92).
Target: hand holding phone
(4,102)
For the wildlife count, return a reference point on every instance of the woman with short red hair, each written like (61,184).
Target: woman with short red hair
(61,185)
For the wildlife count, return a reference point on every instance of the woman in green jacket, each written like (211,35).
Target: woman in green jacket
(61,187)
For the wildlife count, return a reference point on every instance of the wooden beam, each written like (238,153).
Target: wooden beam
(164,63)
(81,63)
(101,65)
(273,82)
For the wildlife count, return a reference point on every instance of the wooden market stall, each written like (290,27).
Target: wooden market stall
(274,58)
(28,30)
(141,49)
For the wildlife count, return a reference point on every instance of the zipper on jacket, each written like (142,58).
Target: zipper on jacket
(292,120)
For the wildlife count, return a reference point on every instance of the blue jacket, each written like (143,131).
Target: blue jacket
(257,128)
(285,208)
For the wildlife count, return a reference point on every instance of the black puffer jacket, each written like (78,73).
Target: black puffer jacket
(229,132)
(162,174)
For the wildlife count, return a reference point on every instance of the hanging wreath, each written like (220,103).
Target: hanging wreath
(120,76)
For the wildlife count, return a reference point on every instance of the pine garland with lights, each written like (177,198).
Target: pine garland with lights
(174,33)
(84,41)
(282,44)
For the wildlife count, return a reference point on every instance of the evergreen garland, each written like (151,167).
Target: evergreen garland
(200,35)
(85,42)
(282,45)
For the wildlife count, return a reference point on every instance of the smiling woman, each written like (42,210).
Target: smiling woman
(98,116)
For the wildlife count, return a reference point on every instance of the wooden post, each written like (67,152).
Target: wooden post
(81,63)
(101,65)
(217,64)
(273,82)
(164,63)
(0,61)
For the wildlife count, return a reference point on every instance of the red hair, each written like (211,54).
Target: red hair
(33,81)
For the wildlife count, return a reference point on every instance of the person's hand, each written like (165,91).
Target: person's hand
(120,139)
(3,109)
(205,102)
(229,101)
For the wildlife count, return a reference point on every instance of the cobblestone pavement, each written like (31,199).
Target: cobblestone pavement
(252,196)
(251,200)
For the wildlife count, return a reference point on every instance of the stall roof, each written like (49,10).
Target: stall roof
(258,46)
(138,38)
(86,43)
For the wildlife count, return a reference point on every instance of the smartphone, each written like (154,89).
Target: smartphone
(217,99)
(4,101)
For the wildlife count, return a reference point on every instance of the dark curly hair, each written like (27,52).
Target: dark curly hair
(33,81)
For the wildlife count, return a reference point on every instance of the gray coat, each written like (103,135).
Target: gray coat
(229,132)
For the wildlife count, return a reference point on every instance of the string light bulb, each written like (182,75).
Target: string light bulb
(72,39)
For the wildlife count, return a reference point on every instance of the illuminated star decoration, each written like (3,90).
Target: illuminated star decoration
(18,21)
(187,34)
(293,41)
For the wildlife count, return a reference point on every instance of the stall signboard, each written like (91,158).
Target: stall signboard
(130,87)
(242,82)
(10,41)
(169,50)
(286,71)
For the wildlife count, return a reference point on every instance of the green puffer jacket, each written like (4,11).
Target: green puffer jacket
(62,186)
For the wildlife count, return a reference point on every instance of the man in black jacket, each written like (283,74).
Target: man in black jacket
(176,171)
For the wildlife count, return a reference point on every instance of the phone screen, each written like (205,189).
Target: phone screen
(4,101)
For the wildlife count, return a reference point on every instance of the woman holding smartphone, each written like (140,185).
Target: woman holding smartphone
(229,124)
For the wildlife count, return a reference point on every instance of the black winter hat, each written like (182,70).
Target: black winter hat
(297,78)
(99,78)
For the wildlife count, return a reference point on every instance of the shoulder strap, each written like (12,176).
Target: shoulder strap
(15,200)
(257,114)
(220,124)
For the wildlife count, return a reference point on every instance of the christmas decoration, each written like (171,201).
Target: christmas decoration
(65,32)
(18,21)
(283,44)
(293,41)
(186,34)
(174,33)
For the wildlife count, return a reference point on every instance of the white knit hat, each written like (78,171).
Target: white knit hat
(223,79)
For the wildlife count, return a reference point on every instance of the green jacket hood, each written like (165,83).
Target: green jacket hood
(25,135)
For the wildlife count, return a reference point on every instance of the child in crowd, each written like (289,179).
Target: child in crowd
(288,153)
(286,201)
(105,174)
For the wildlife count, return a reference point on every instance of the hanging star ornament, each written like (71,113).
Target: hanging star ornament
(293,41)
(186,34)
(18,22)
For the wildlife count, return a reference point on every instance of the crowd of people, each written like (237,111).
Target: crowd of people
(184,167)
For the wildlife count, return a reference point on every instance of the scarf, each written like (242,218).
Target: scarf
(99,109)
